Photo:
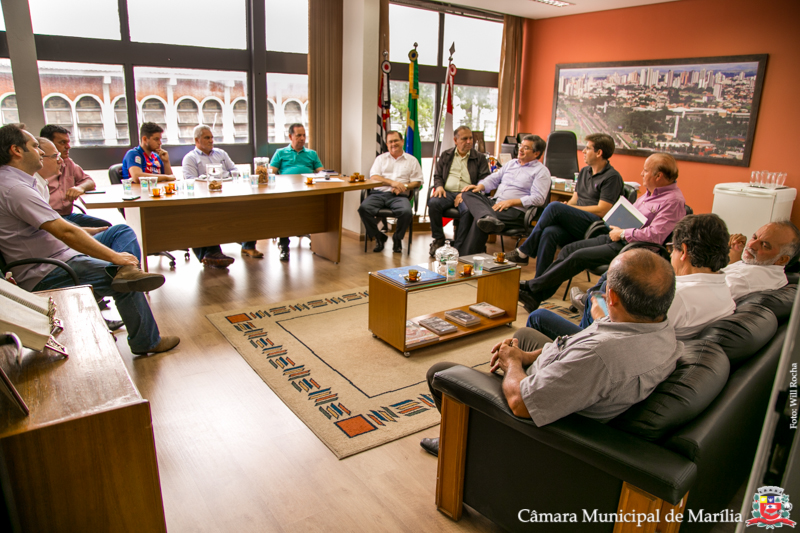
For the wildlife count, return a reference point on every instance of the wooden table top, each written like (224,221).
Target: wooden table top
(92,380)
(286,186)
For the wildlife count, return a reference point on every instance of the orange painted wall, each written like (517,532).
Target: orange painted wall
(687,28)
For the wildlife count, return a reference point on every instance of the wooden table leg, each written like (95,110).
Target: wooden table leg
(328,244)
(133,218)
(387,312)
(452,458)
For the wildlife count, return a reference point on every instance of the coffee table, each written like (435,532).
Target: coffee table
(388,305)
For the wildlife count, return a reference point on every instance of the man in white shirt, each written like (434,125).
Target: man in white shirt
(194,166)
(401,174)
(757,265)
(699,251)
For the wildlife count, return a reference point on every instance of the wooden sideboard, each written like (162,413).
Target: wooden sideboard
(85,459)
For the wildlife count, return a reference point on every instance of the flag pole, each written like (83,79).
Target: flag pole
(437,130)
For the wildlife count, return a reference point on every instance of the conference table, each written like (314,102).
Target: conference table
(237,213)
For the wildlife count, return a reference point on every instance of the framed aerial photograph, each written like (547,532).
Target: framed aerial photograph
(700,109)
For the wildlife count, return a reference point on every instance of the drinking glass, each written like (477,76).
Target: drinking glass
(754,178)
(781,179)
(254,180)
(763,178)
(451,268)
(772,180)
(144,183)
(190,186)
(235,175)
(127,185)
(477,262)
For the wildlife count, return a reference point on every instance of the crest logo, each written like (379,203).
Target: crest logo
(771,508)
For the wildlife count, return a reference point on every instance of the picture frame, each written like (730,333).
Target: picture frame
(697,109)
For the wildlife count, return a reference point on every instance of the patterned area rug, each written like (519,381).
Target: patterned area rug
(355,392)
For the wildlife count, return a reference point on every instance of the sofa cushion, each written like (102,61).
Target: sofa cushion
(779,301)
(700,374)
(743,333)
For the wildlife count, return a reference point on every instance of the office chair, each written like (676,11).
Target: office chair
(532,215)
(510,146)
(385,213)
(561,154)
(115,177)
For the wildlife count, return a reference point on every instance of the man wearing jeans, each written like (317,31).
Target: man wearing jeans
(69,182)
(30,228)
(599,187)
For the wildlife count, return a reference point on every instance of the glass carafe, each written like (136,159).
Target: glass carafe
(446,253)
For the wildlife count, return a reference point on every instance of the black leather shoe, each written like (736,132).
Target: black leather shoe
(530,303)
(284,254)
(397,247)
(491,225)
(381,242)
(514,257)
(114,325)
(431,446)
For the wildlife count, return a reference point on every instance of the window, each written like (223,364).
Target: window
(97,19)
(240,119)
(212,116)
(58,111)
(475,107)
(288,93)
(409,25)
(270,122)
(154,110)
(9,110)
(121,120)
(188,118)
(478,43)
(180,91)
(287,26)
(90,121)
(425,106)
(205,23)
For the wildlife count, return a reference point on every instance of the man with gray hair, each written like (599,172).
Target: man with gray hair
(603,370)
(194,166)
(758,264)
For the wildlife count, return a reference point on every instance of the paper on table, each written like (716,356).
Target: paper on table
(327,180)
(314,175)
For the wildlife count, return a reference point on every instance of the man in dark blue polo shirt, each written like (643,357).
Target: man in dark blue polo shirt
(599,187)
(294,159)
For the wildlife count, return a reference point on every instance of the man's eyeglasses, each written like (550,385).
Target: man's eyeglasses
(669,247)
(56,156)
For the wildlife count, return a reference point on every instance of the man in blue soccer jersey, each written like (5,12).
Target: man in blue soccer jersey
(294,159)
(148,160)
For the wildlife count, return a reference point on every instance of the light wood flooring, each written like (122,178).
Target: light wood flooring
(231,455)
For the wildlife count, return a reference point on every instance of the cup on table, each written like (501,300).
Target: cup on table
(413,275)
(763,178)
(246,174)
(254,180)
(477,262)
(270,176)
(451,268)
(309,180)
(781,180)
(467,270)
(144,183)
(155,191)
(127,186)
(754,178)
(236,175)
(190,186)
(500,257)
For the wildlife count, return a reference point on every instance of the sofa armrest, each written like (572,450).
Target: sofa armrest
(650,467)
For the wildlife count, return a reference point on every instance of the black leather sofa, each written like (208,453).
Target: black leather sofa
(696,434)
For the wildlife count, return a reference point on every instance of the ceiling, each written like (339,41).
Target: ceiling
(536,10)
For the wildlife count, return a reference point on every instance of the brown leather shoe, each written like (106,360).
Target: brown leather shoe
(164,345)
(131,279)
(255,254)
(217,260)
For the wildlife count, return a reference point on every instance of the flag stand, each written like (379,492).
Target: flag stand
(448,83)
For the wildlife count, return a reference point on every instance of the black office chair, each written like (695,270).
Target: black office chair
(6,267)
(385,213)
(561,154)
(115,177)
(532,215)
(510,146)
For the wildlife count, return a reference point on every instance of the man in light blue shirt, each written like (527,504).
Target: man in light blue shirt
(519,184)
(294,159)
(194,166)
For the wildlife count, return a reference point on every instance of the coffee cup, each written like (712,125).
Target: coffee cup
(467,270)
(500,257)
(413,275)
(309,180)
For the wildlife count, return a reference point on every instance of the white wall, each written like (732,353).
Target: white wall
(360,67)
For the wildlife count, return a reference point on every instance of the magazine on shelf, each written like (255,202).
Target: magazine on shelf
(488,262)
(438,325)
(486,309)
(462,317)
(417,336)
(624,215)
(399,276)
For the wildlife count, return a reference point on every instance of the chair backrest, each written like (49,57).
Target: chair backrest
(561,154)
(630,192)
(115,174)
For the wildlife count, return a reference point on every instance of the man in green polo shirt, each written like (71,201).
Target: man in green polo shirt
(294,159)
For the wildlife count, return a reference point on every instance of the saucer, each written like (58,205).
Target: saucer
(412,281)
(501,262)
(463,275)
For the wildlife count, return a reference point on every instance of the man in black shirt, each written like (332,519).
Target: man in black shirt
(598,188)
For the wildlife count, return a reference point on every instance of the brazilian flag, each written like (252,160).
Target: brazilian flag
(413,145)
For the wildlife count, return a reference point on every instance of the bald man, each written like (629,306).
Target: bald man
(601,371)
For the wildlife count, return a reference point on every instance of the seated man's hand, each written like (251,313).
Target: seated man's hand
(502,205)
(74,192)
(399,188)
(458,200)
(95,231)
(616,233)
(504,353)
(471,188)
(439,193)
(125,259)
(164,155)
(595,310)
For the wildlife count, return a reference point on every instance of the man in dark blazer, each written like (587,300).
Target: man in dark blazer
(456,168)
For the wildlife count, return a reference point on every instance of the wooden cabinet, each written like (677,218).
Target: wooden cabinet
(85,459)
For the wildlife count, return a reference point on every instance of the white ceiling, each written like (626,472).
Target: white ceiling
(536,10)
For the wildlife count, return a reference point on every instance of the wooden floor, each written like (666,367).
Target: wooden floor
(231,456)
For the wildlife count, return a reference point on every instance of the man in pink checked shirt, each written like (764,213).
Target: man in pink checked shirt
(663,206)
